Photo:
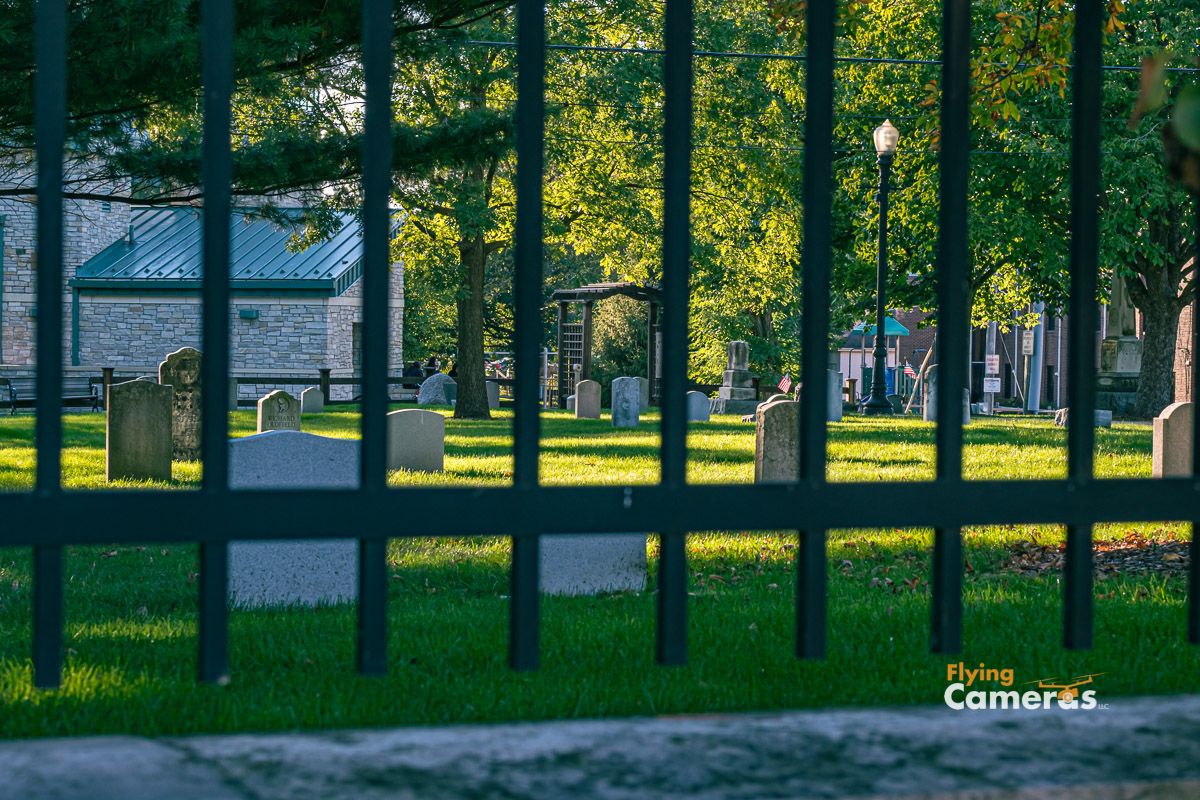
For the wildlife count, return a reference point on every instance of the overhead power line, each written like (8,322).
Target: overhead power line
(788,57)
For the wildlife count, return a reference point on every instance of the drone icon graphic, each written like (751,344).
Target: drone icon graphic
(1067,691)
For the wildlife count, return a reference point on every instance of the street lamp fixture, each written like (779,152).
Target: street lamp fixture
(886,136)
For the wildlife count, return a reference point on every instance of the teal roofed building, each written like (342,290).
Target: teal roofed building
(138,298)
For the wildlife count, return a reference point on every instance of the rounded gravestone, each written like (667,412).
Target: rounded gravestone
(278,411)
(777,441)
(697,407)
(1172,450)
(433,390)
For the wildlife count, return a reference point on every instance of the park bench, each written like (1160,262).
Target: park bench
(77,390)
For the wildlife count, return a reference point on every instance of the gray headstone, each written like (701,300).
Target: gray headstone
(493,394)
(433,390)
(278,411)
(312,401)
(929,407)
(643,395)
(777,441)
(137,441)
(587,400)
(293,571)
(233,394)
(181,371)
(929,411)
(570,402)
(739,356)
(1172,455)
(625,402)
(833,404)
(416,440)
(897,403)
(697,407)
(583,564)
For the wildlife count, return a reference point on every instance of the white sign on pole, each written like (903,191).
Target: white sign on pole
(992,364)
(1027,343)
(991,385)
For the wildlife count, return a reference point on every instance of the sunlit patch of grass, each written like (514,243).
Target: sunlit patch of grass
(130,617)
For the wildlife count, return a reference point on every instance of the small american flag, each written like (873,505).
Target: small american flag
(909,372)
(785,384)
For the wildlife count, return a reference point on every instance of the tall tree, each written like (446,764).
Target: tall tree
(133,94)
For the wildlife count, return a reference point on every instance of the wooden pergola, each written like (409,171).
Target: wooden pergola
(575,338)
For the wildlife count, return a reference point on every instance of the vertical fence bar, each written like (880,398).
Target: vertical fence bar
(953,258)
(216,175)
(377,189)
(1194,575)
(50,87)
(1087,81)
(814,369)
(524,640)
(677,242)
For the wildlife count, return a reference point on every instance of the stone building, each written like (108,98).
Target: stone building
(134,283)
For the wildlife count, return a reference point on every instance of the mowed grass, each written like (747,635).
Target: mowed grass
(130,619)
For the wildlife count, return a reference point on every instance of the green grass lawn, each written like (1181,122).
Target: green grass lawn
(131,611)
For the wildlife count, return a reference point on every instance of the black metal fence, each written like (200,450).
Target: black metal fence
(46,518)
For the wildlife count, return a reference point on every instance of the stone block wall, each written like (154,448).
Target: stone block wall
(89,226)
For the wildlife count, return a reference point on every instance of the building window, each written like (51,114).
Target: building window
(1051,323)
(106,206)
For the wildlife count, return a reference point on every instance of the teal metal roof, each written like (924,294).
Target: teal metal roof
(166,254)
(890,328)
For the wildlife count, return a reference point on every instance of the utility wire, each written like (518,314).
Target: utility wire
(788,57)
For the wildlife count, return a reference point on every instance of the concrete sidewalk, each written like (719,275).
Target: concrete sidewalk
(1137,749)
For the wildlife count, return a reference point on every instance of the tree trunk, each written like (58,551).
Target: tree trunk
(1160,317)
(472,394)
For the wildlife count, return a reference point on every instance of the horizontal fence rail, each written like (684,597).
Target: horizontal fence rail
(47,518)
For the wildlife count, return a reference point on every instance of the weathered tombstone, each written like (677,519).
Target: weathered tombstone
(137,441)
(571,402)
(493,394)
(833,400)
(181,371)
(233,394)
(278,411)
(433,390)
(738,357)
(583,564)
(929,392)
(697,407)
(294,571)
(312,401)
(777,441)
(587,400)
(643,395)
(1172,455)
(416,440)
(737,394)
(625,402)
(897,403)
(929,409)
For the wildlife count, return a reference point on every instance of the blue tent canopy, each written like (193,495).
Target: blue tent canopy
(890,328)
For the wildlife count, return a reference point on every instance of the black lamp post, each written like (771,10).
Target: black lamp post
(886,137)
